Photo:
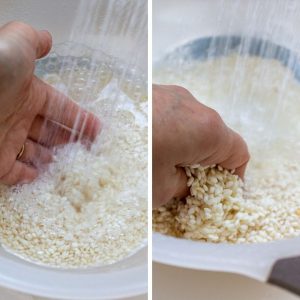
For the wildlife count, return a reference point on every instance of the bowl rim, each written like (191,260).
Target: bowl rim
(23,276)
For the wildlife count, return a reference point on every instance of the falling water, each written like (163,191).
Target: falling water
(264,29)
(105,56)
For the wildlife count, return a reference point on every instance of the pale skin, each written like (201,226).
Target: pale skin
(31,110)
(186,132)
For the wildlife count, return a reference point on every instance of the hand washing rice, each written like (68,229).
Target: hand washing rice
(260,99)
(90,207)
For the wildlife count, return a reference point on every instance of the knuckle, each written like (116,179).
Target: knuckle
(18,25)
(180,90)
(214,116)
(214,122)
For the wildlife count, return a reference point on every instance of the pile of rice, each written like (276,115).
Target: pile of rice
(220,207)
(90,207)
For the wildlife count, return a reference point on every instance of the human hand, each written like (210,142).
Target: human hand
(32,113)
(186,132)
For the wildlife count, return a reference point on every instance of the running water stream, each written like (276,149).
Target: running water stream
(265,29)
(107,45)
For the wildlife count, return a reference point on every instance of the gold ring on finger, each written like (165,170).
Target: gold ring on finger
(21,152)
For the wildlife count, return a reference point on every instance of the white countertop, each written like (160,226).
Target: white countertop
(172,283)
(6,294)
(12,295)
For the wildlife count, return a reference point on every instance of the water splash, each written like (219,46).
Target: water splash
(107,47)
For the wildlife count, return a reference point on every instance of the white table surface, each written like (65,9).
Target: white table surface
(12,295)
(171,283)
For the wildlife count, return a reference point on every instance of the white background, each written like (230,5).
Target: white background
(171,283)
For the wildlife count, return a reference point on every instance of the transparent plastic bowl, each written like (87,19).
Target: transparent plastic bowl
(252,260)
(120,280)
(123,279)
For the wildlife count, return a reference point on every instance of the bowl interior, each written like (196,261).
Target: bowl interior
(216,46)
(254,260)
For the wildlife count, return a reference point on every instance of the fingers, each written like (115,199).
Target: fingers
(238,156)
(43,44)
(61,109)
(230,151)
(19,173)
(181,189)
(240,171)
(23,170)
(40,40)
(50,134)
(169,185)
(35,154)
